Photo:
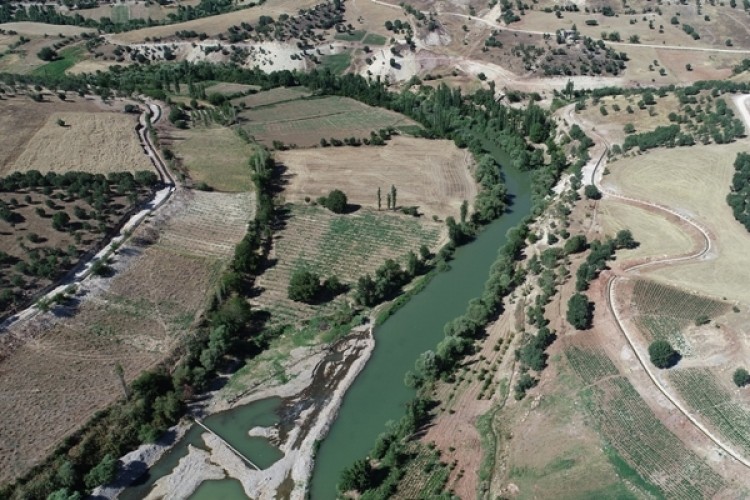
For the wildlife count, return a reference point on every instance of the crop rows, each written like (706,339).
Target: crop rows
(210,225)
(651,298)
(424,477)
(664,328)
(698,388)
(347,246)
(589,364)
(629,426)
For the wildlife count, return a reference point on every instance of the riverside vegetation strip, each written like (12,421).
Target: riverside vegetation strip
(230,313)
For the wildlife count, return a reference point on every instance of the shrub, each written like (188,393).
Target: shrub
(592,192)
(741,377)
(47,54)
(336,201)
(304,286)
(662,354)
(575,244)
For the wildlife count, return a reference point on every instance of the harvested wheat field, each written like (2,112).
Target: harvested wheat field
(23,118)
(58,369)
(671,177)
(432,175)
(88,142)
(347,246)
(41,29)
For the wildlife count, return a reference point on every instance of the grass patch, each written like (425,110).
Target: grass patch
(68,58)
(354,36)
(337,63)
(120,14)
(374,39)
(629,474)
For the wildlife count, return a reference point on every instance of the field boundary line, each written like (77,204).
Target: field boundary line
(613,278)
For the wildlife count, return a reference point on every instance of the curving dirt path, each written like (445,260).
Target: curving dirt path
(700,252)
(83,269)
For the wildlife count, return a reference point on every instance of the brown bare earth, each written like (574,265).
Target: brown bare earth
(432,175)
(59,368)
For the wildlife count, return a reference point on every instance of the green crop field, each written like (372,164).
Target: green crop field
(374,39)
(337,63)
(273,96)
(354,36)
(651,298)
(68,57)
(305,121)
(636,437)
(699,389)
(347,246)
(424,477)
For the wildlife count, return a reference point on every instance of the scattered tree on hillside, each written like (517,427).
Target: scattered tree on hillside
(380,200)
(662,354)
(592,192)
(357,477)
(47,54)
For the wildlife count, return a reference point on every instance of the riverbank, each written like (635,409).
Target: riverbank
(319,378)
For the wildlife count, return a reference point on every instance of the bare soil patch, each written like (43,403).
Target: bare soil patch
(432,175)
(41,29)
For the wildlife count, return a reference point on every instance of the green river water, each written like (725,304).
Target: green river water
(378,394)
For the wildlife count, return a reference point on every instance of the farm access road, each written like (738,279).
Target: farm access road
(593,175)
(83,269)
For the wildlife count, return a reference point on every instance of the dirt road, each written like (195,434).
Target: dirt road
(700,252)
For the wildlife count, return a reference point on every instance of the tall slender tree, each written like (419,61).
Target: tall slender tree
(380,200)
(393,197)
(388,200)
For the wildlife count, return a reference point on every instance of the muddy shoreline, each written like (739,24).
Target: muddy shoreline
(319,379)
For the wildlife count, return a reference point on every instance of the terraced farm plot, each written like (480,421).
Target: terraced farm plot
(304,122)
(210,225)
(347,246)
(715,405)
(230,89)
(88,142)
(273,96)
(214,155)
(432,175)
(629,427)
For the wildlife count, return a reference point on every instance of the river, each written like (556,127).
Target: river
(379,394)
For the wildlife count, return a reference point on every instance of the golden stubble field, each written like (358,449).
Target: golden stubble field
(694,181)
(59,368)
(435,176)
(97,138)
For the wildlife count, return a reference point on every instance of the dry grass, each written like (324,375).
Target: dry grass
(694,181)
(217,24)
(89,142)
(644,120)
(23,118)
(40,29)
(433,175)
(216,156)
(657,236)
(94,65)
(58,369)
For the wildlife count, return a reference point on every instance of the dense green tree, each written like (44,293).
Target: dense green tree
(575,244)
(592,192)
(304,286)
(741,377)
(102,473)
(662,354)
(336,201)
(580,311)
(357,476)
